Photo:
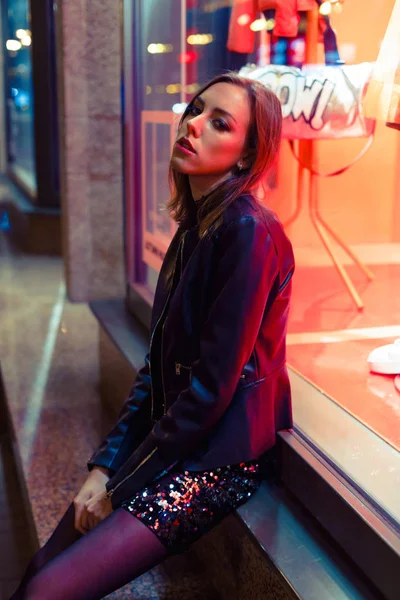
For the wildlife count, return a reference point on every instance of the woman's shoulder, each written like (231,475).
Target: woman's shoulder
(247,207)
(248,212)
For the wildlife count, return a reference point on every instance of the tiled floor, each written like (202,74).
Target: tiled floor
(48,350)
(49,363)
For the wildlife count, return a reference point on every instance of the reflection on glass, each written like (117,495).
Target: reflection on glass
(176,56)
(20,106)
(181,45)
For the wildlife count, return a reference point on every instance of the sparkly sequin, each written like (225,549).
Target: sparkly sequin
(185,505)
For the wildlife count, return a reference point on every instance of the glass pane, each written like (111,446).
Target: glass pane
(346,300)
(363,457)
(20,105)
(180,45)
(345,229)
(356,215)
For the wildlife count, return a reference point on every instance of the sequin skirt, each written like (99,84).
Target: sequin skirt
(184,505)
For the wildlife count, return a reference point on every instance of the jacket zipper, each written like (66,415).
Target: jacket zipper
(179,366)
(111,492)
(162,333)
(183,243)
(162,369)
(286,281)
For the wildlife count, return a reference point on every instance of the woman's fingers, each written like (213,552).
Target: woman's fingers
(97,509)
(80,503)
(81,523)
(90,512)
(85,521)
(90,519)
(79,508)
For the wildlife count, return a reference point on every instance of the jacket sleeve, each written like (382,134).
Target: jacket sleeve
(133,425)
(246,269)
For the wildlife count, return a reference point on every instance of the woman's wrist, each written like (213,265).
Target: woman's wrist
(103,470)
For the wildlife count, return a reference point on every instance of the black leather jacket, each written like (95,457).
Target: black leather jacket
(214,389)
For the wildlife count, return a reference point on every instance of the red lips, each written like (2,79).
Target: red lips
(185,143)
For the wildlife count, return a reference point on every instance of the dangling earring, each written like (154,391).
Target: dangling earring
(240,166)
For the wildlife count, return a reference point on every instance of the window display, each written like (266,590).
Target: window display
(20,104)
(336,341)
(344,225)
(318,101)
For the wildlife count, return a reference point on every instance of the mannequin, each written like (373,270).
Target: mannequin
(241,37)
(382,100)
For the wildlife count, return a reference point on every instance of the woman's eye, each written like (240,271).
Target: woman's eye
(193,110)
(221,125)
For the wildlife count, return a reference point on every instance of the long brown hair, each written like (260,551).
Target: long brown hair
(261,148)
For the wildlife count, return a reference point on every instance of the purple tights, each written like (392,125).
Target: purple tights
(75,567)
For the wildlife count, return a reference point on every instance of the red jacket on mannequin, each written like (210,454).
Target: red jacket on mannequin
(241,37)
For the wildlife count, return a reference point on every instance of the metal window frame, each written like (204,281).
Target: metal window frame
(359,528)
(45,126)
(46,109)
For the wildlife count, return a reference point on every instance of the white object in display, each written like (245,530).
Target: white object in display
(385,359)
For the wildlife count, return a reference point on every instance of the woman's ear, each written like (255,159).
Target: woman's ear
(244,163)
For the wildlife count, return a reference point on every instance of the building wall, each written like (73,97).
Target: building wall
(89,87)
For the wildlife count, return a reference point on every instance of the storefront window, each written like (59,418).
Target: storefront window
(20,109)
(180,45)
(338,224)
(330,337)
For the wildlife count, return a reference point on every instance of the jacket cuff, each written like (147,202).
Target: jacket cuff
(100,462)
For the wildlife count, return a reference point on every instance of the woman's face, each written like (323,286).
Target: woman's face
(211,138)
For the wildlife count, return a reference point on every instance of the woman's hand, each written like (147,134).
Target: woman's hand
(94,485)
(98,508)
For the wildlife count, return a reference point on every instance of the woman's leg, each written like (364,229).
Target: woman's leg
(116,551)
(63,536)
